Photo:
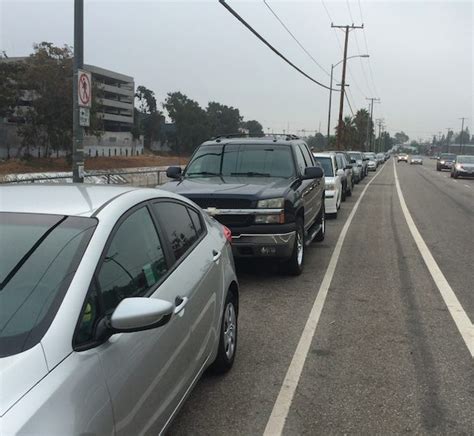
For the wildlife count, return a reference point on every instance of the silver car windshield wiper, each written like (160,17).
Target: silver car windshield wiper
(251,174)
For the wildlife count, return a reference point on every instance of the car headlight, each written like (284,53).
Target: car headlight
(330,186)
(271,203)
(442,162)
(458,166)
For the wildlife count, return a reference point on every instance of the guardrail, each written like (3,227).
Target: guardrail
(114,177)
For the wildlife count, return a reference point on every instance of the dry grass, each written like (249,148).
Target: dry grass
(35,165)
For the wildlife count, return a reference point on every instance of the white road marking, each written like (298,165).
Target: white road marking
(455,181)
(462,321)
(467,186)
(277,419)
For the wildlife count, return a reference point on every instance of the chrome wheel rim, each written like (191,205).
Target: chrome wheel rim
(299,248)
(229,330)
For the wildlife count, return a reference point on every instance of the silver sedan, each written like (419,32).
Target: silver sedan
(114,300)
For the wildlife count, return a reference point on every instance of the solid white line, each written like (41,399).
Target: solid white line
(467,186)
(277,419)
(462,321)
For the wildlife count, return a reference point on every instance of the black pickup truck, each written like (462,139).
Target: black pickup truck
(268,191)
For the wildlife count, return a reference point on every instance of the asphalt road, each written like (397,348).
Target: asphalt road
(386,356)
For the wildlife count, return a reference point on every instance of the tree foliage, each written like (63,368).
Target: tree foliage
(254,127)
(147,118)
(45,81)
(354,130)
(222,119)
(192,125)
(401,138)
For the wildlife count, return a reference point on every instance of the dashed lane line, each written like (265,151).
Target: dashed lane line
(462,321)
(282,405)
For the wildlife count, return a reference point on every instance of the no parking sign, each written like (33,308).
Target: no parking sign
(84,88)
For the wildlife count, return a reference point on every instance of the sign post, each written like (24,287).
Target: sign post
(77,129)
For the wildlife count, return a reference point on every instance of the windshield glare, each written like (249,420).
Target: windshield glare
(35,272)
(326,164)
(248,160)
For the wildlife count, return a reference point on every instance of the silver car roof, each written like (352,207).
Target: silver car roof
(69,199)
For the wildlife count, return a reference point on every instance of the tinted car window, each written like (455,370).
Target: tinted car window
(38,258)
(134,262)
(242,160)
(300,160)
(306,155)
(196,221)
(177,226)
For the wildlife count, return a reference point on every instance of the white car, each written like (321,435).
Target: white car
(416,160)
(333,193)
(114,300)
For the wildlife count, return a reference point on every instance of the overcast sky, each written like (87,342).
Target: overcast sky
(421,55)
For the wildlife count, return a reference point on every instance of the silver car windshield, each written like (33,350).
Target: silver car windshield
(38,259)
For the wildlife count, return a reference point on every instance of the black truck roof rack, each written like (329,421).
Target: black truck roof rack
(287,136)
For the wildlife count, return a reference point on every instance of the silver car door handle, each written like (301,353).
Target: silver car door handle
(216,255)
(181,305)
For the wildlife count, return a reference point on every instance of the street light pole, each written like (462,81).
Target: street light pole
(77,130)
(330,90)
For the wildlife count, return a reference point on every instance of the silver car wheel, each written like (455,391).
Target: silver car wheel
(229,330)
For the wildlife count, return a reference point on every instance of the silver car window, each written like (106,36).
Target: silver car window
(134,262)
(177,226)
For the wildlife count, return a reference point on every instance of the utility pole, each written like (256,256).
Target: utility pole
(329,110)
(77,130)
(461,135)
(447,138)
(343,81)
(370,122)
(379,122)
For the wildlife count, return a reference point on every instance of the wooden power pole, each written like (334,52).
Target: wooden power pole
(346,28)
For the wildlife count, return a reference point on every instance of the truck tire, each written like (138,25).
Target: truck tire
(322,220)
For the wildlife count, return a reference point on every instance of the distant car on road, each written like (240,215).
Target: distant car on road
(359,163)
(463,167)
(114,301)
(333,193)
(416,160)
(445,161)
(344,169)
(372,162)
(380,157)
(402,157)
(267,190)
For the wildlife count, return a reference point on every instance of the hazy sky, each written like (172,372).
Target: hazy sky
(421,55)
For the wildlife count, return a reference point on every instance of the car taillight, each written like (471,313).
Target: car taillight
(228,234)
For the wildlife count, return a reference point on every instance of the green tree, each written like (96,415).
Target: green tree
(317,142)
(192,127)
(464,136)
(254,128)
(360,122)
(10,91)
(401,138)
(147,118)
(222,119)
(45,77)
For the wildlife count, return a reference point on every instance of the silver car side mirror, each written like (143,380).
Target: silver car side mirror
(340,172)
(140,313)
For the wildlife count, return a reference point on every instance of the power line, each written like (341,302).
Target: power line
(261,38)
(342,49)
(367,48)
(294,37)
(358,49)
